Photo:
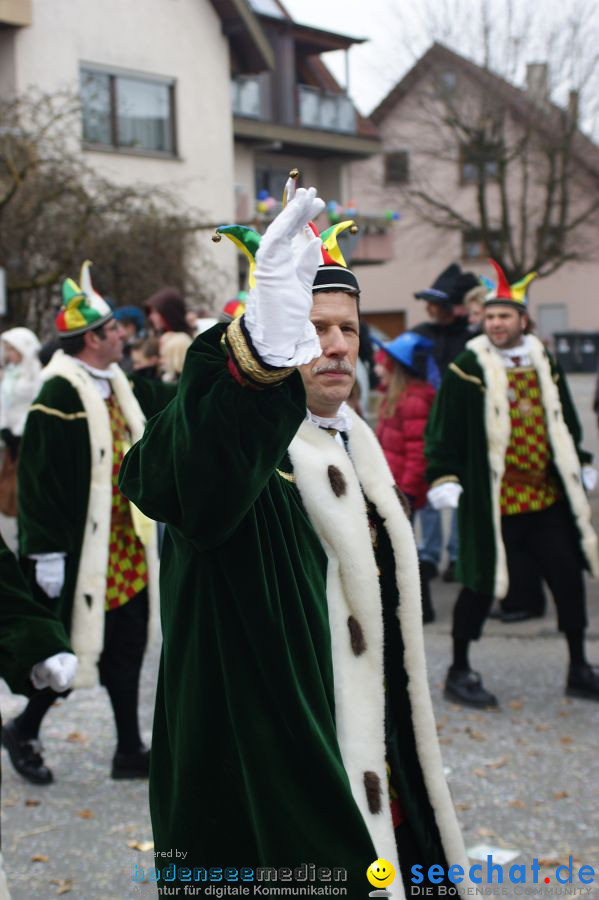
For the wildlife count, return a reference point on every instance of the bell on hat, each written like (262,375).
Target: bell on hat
(415,352)
(509,294)
(82,307)
(442,287)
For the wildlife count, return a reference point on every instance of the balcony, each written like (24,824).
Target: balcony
(246,95)
(330,112)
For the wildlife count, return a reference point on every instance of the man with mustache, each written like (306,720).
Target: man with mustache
(293,722)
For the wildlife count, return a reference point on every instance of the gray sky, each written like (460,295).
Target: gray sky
(374,67)
(565,32)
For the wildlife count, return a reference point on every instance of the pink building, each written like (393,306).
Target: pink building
(429,124)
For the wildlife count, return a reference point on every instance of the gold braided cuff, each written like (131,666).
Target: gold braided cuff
(446,479)
(248,363)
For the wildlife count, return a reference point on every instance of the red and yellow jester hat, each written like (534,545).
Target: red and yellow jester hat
(509,294)
(82,307)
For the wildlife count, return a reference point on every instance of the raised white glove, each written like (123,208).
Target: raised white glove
(445,495)
(277,313)
(589,477)
(56,672)
(49,573)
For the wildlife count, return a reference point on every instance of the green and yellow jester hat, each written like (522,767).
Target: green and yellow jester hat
(509,294)
(82,307)
(332,274)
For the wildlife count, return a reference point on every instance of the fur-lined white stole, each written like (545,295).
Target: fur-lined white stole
(332,485)
(498,430)
(87,620)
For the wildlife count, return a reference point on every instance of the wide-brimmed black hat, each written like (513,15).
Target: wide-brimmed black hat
(442,287)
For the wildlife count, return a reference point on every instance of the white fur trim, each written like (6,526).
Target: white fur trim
(353,589)
(87,619)
(378,484)
(498,430)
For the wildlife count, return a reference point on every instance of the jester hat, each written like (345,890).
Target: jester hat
(507,294)
(82,307)
(333,274)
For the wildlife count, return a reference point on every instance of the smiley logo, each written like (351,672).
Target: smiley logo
(380,873)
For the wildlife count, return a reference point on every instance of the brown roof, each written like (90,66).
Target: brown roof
(547,120)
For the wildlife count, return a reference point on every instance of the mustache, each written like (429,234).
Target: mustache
(340,366)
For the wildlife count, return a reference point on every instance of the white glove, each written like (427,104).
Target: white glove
(56,672)
(445,495)
(589,477)
(49,572)
(277,313)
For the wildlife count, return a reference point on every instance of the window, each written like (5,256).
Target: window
(474,247)
(247,96)
(271,180)
(478,158)
(128,111)
(397,167)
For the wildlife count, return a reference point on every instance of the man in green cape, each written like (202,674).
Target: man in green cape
(293,726)
(503,442)
(89,557)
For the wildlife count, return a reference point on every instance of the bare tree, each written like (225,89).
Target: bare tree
(56,211)
(532,174)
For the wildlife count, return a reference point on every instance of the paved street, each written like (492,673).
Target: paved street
(525,777)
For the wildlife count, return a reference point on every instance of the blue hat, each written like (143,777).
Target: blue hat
(130,314)
(415,352)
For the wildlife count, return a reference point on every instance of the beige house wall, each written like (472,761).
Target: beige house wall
(178,39)
(421,251)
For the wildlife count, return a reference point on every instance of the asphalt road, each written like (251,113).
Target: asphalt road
(524,778)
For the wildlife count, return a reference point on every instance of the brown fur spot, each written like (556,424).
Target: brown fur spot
(405,503)
(337,481)
(356,636)
(372,783)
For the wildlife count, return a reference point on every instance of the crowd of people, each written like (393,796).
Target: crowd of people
(245,439)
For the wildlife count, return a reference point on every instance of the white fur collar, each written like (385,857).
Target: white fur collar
(498,430)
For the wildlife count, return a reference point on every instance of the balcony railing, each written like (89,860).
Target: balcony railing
(315,108)
(247,97)
(331,112)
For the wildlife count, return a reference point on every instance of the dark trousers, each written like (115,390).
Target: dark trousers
(547,540)
(125,634)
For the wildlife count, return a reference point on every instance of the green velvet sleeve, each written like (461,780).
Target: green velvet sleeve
(54,452)
(29,633)
(570,415)
(204,460)
(446,440)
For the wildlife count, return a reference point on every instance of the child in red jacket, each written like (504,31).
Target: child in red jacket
(409,372)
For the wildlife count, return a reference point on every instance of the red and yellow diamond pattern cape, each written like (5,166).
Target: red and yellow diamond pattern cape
(528,450)
(127,569)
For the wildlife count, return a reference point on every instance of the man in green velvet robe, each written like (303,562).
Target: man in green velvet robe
(89,558)
(293,722)
(503,441)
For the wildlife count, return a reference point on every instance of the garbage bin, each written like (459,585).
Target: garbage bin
(577,351)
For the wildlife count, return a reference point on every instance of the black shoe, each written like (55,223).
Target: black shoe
(583,682)
(428,570)
(465,687)
(449,573)
(131,765)
(518,615)
(26,755)
(496,613)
